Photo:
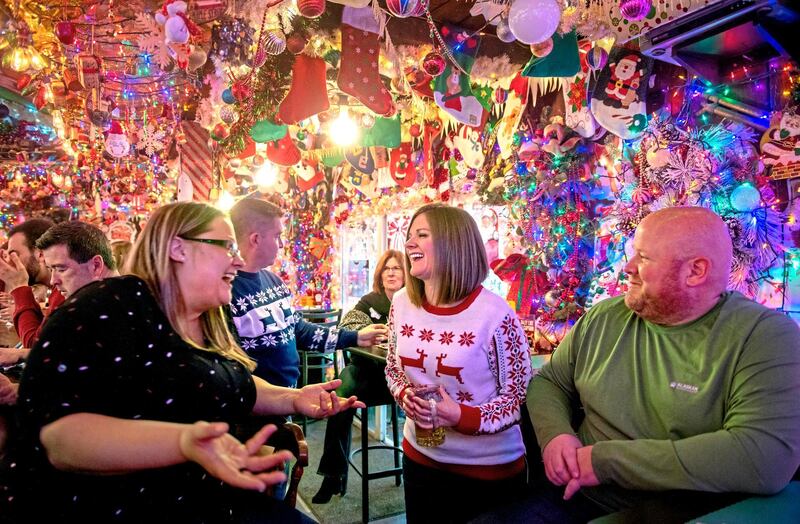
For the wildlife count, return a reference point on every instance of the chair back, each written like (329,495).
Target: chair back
(324,317)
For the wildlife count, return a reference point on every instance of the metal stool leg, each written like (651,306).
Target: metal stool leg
(365,465)
(396,442)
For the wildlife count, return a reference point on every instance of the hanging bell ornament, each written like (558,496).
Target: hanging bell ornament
(434,64)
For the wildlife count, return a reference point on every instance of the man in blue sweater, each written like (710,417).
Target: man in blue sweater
(269,328)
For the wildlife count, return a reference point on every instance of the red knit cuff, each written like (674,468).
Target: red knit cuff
(470,421)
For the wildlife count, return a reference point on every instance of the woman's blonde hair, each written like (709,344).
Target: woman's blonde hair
(377,280)
(149,260)
(459,258)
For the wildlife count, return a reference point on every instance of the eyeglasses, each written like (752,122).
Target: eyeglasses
(387,269)
(229,245)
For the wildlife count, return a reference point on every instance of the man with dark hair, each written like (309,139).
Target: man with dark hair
(21,267)
(73,254)
(76,253)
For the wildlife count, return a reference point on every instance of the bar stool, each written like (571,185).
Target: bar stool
(364,472)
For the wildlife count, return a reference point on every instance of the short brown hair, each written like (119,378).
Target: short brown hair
(377,280)
(459,262)
(249,213)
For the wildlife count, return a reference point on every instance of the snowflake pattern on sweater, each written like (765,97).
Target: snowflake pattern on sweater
(272,332)
(479,353)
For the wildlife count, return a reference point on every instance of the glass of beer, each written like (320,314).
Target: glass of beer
(429,437)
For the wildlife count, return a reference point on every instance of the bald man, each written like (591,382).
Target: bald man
(688,391)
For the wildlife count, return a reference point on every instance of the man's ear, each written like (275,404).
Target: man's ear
(253,238)
(699,271)
(177,250)
(97,266)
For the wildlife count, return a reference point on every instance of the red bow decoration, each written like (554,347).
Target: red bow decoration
(526,284)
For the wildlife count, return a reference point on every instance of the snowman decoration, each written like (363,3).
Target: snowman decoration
(117,144)
(178,30)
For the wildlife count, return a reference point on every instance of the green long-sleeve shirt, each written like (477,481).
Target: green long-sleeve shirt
(713,405)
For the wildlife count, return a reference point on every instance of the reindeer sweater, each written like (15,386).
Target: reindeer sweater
(479,353)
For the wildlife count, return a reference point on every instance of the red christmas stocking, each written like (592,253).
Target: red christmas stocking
(308,94)
(358,69)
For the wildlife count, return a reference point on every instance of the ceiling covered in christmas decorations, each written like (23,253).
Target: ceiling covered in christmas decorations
(578,117)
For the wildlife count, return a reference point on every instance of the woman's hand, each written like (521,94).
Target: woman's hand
(224,457)
(321,400)
(373,334)
(447,411)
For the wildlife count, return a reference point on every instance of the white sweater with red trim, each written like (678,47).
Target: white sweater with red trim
(479,353)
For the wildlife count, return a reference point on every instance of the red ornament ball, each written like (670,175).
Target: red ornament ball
(220,132)
(542,49)
(296,43)
(403,8)
(434,64)
(500,95)
(65,32)
(415,130)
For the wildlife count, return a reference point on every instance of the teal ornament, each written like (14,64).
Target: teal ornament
(266,131)
(227,96)
(745,198)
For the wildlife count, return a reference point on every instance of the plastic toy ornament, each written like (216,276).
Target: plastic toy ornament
(534,21)
(634,10)
(117,144)
(504,32)
(403,8)
(596,58)
(228,115)
(542,49)
(434,64)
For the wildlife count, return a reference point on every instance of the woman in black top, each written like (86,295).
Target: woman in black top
(128,395)
(362,377)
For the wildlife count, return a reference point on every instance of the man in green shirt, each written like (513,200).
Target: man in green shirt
(688,391)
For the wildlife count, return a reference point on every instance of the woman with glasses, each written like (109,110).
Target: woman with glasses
(129,393)
(362,376)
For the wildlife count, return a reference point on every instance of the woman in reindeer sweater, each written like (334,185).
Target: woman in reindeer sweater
(447,330)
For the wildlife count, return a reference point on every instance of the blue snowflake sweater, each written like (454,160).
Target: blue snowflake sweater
(272,332)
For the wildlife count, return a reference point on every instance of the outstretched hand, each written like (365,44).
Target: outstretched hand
(224,457)
(321,400)
(373,334)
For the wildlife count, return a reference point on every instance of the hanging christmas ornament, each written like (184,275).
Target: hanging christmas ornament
(504,32)
(65,32)
(634,10)
(596,58)
(542,49)
(23,81)
(367,120)
(500,95)
(117,144)
(220,132)
(534,21)
(275,42)
(434,64)
(311,8)
(227,96)
(197,59)
(745,198)
(403,8)
(296,42)
(228,114)
(241,91)
(415,130)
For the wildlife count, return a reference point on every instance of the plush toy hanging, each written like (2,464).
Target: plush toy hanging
(358,68)
(401,167)
(451,90)
(619,98)
(178,31)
